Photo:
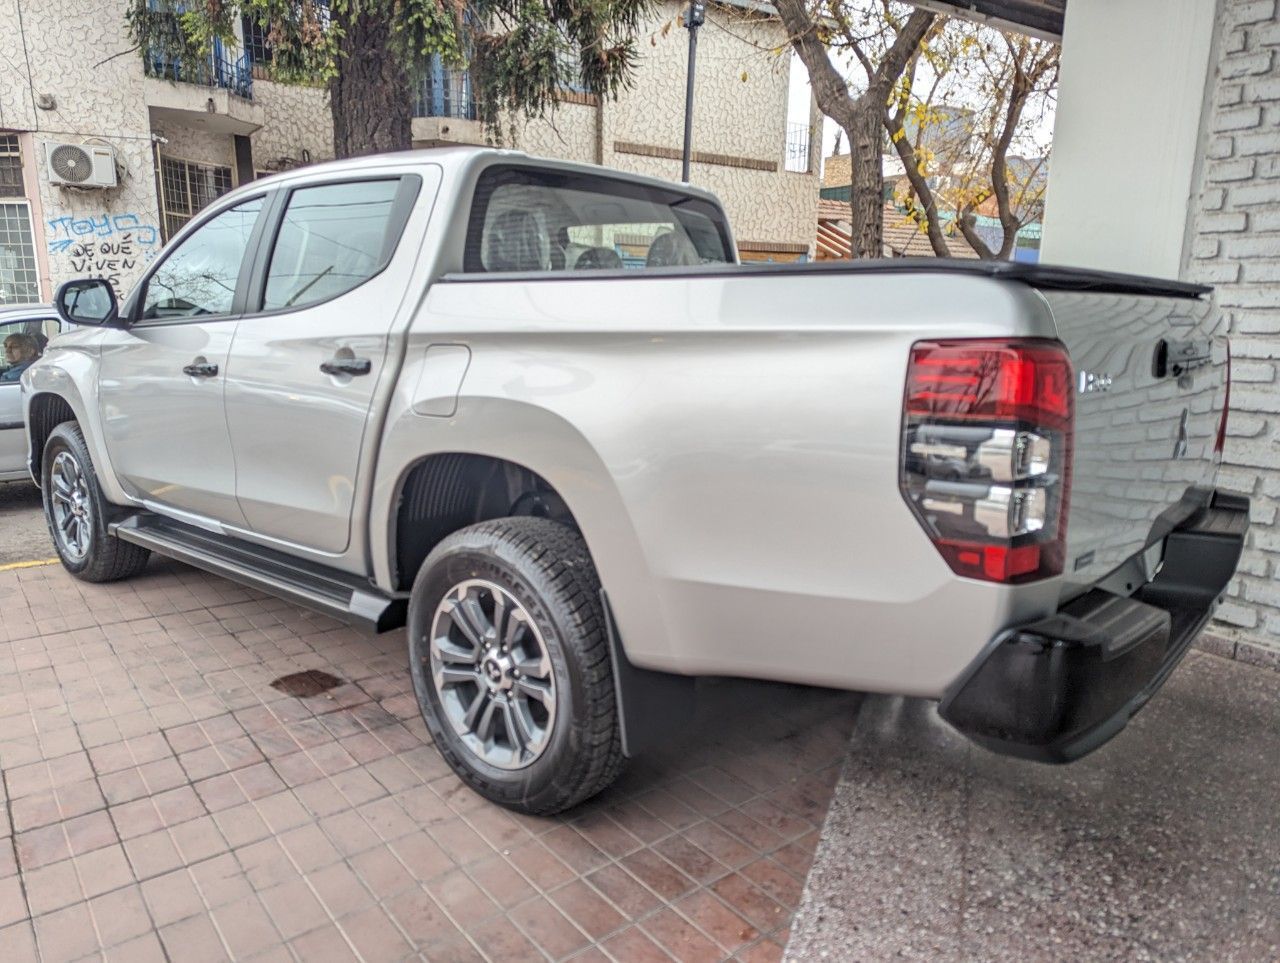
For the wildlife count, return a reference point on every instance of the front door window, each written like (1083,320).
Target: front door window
(198,280)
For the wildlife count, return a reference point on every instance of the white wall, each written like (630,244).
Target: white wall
(1127,133)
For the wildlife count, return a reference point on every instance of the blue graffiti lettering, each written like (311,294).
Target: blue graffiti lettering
(110,246)
(101,225)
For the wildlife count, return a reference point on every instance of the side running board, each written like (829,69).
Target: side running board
(340,594)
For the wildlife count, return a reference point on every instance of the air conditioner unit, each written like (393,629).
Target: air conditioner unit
(74,165)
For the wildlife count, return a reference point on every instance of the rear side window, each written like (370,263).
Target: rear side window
(332,238)
(536,220)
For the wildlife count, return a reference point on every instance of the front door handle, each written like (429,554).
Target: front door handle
(201,369)
(347,366)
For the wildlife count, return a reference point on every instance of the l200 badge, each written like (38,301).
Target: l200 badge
(1090,382)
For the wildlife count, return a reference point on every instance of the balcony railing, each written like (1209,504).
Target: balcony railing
(445,93)
(797,148)
(228,71)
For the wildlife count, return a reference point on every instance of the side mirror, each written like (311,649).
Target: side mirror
(87,301)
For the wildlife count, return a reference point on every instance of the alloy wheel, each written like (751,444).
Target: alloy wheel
(492,673)
(72,506)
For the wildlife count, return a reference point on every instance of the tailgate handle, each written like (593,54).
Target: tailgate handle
(1176,358)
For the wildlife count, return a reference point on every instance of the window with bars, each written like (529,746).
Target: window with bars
(19,277)
(256,35)
(186,188)
(255,40)
(11,184)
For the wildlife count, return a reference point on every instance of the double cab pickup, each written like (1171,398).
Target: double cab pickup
(537,413)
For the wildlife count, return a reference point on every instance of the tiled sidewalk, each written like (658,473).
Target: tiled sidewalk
(161,798)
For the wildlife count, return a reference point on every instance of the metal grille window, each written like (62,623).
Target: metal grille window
(445,92)
(10,167)
(185,188)
(255,40)
(797,148)
(19,278)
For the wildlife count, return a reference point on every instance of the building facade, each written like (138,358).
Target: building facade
(181,134)
(762,167)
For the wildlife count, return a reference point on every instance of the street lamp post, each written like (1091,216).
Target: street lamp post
(694,17)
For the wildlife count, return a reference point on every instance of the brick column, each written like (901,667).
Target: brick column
(1234,244)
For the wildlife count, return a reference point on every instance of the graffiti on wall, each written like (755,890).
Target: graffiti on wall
(109,246)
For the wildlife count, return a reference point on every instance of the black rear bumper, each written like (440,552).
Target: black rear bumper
(1056,689)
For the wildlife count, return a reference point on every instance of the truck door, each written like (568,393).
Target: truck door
(160,380)
(308,355)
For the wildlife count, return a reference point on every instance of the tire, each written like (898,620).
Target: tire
(103,558)
(543,569)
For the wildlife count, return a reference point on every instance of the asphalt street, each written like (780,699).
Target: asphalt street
(23,536)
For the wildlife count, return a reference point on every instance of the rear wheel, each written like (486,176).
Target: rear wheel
(511,666)
(77,512)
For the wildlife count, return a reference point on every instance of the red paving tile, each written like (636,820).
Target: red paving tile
(161,798)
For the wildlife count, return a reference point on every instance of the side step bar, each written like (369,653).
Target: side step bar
(344,596)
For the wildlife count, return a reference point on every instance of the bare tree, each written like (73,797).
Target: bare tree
(882,47)
(957,156)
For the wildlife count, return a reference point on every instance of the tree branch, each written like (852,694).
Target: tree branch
(894,119)
(904,45)
(829,87)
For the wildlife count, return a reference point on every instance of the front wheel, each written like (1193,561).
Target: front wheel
(76,512)
(511,666)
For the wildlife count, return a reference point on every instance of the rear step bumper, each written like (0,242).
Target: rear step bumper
(346,597)
(1057,689)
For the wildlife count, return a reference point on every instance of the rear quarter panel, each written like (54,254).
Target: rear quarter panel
(730,447)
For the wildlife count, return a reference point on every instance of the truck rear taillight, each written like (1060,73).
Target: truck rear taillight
(1221,443)
(986,454)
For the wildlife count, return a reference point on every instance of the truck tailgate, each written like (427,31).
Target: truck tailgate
(1152,380)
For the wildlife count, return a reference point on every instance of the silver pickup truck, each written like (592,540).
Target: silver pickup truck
(536,412)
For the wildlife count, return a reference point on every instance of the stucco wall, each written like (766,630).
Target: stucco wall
(1234,244)
(568,133)
(298,124)
(198,146)
(741,86)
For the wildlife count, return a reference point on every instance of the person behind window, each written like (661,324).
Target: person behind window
(19,351)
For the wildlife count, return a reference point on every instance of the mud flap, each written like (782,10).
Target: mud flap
(653,707)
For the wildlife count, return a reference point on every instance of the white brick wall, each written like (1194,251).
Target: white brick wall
(1235,245)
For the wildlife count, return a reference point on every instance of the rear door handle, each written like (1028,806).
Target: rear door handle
(201,369)
(347,366)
